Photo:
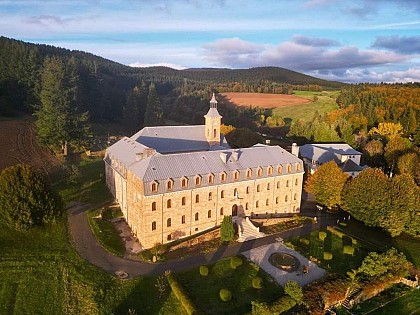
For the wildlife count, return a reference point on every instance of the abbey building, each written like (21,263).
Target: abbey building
(174,181)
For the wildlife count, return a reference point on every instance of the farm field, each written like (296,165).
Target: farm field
(19,145)
(262,100)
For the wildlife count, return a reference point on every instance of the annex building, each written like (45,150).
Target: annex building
(174,181)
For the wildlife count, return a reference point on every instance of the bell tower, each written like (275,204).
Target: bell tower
(213,122)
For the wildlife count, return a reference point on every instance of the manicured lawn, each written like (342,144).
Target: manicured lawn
(204,291)
(325,103)
(106,234)
(407,244)
(340,262)
(40,273)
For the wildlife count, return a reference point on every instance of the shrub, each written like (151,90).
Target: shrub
(257,282)
(342,224)
(294,290)
(235,262)
(353,241)
(204,271)
(349,250)
(304,241)
(328,256)
(282,305)
(227,231)
(322,235)
(180,294)
(225,295)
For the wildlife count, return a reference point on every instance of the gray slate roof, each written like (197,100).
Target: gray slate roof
(323,153)
(169,139)
(350,166)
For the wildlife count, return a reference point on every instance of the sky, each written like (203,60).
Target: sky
(349,41)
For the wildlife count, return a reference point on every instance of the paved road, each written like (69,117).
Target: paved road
(88,248)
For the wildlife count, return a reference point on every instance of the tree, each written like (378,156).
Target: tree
(294,290)
(154,113)
(387,130)
(243,138)
(409,163)
(58,118)
(366,197)
(396,147)
(26,198)
(326,184)
(374,152)
(227,231)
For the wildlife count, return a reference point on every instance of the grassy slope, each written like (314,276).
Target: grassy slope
(325,103)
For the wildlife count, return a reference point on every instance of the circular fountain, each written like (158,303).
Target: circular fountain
(284,261)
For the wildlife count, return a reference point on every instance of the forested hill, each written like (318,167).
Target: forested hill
(103,85)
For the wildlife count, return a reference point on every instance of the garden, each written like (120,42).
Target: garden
(232,279)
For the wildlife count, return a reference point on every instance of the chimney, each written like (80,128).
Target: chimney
(235,155)
(139,156)
(295,149)
(223,157)
(148,152)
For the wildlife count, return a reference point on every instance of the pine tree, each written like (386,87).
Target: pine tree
(154,113)
(227,231)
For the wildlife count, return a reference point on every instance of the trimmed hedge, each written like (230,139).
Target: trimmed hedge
(348,249)
(322,235)
(328,256)
(180,294)
(282,305)
(257,282)
(204,271)
(235,262)
(225,295)
(335,232)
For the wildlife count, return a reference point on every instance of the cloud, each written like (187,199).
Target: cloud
(401,44)
(314,41)
(238,53)
(317,3)
(368,7)
(160,64)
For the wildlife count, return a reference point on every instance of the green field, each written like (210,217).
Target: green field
(325,103)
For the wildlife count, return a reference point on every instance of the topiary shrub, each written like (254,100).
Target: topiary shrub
(322,235)
(328,256)
(342,224)
(204,271)
(304,241)
(235,262)
(225,295)
(354,241)
(282,305)
(257,282)
(348,250)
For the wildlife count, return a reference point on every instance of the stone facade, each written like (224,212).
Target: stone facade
(162,198)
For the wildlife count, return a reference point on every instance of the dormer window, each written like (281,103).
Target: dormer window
(298,167)
(155,186)
(270,170)
(289,168)
(211,179)
(259,172)
(236,175)
(223,176)
(170,184)
(184,182)
(248,173)
(279,169)
(197,180)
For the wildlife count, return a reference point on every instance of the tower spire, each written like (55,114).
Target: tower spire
(213,122)
(213,102)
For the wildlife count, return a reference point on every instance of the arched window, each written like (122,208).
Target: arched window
(258,188)
(279,169)
(257,204)
(295,197)
(168,222)
(266,202)
(197,198)
(184,183)
(221,211)
(298,167)
(277,200)
(246,206)
(270,170)
(222,194)
(223,177)
(154,206)
(268,186)
(235,193)
(154,187)
(169,185)
(168,203)
(296,182)
(214,133)
(236,175)
(289,168)
(196,216)
(153,225)
(288,183)
(209,214)
(248,173)
(183,219)
(285,198)
(278,184)
(210,196)
(197,180)
(247,190)
(184,201)
(211,179)
(259,172)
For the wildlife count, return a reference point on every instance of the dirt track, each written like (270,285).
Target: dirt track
(18,144)
(263,100)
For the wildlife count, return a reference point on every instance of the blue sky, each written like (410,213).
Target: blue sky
(351,41)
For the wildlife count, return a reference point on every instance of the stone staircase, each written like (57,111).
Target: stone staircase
(351,295)
(247,231)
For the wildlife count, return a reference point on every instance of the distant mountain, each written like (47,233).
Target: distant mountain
(104,84)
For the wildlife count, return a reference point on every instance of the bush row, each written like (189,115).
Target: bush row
(284,304)
(180,294)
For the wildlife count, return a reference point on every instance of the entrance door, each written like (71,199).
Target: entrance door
(234,210)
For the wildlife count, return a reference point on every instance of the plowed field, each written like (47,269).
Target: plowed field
(263,100)
(18,144)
